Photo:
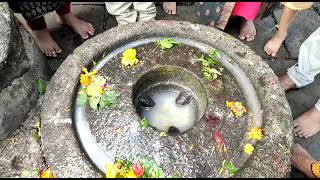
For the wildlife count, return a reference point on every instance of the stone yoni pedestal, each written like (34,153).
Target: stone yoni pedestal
(77,142)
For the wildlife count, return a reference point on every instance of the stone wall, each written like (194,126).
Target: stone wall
(21,63)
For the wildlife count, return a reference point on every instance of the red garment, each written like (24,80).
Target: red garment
(247,10)
(40,23)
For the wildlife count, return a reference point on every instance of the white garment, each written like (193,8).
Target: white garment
(308,65)
(131,12)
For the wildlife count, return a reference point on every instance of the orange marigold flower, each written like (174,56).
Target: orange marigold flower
(87,78)
(237,108)
(46,173)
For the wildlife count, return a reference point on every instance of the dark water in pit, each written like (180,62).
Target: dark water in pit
(193,153)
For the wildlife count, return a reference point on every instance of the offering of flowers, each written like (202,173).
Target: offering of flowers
(237,108)
(126,169)
(96,90)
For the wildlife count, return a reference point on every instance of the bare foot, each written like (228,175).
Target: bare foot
(45,42)
(286,82)
(170,7)
(83,28)
(248,31)
(302,160)
(274,44)
(308,124)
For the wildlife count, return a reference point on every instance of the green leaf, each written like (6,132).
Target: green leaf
(230,167)
(93,102)
(151,169)
(166,43)
(82,99)
(107,99)
(36,171)
(35,135)
(94,63)
(215,54)
(214,71)
(127,165)
(41,86)
(143,123)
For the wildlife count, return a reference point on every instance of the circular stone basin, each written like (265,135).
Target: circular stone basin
(79,143)
(169,90)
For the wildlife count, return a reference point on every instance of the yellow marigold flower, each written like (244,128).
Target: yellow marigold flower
(131,174)
(248,148)
(162,133)
(87,78)
(237,108)
(255,133)
(129,57)
(122,173)
(111,170)
(94,90)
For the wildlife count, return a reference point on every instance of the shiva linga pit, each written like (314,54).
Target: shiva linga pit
(194,99)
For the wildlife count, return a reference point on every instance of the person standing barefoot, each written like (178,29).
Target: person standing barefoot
(217,15)
(170,7)
(288,15)
(33,13)
(131,12)
(300,75)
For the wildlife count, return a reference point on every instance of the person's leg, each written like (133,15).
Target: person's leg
(308,65)
(249,11)
(170,7)
(43,38)
(83,28)
(122,12)
(274,44)
(146,11)
(302,74)
(302,160)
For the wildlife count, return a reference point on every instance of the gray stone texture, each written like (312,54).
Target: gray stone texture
(5,31)
(18,94)
(20,153)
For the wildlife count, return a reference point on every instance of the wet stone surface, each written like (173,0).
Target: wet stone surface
(193,153)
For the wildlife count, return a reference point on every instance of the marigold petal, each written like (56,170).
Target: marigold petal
(248,148)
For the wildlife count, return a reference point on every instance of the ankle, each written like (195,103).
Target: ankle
(63,16)
(286,82)
(280,35)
